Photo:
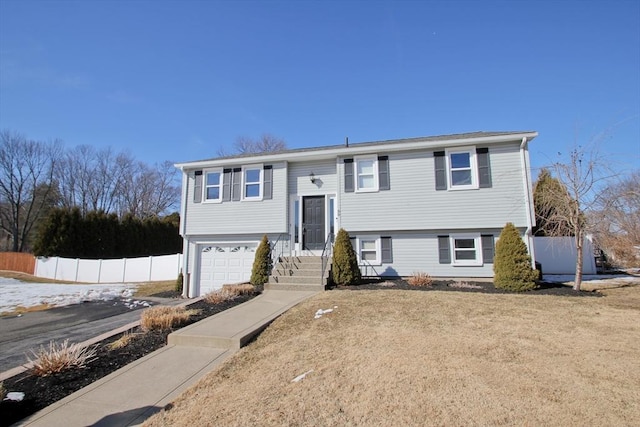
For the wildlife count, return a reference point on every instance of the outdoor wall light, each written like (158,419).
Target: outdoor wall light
(312,178)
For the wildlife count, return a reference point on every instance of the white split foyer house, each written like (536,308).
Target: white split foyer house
(435,205)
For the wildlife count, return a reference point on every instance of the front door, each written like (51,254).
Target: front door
(313,223)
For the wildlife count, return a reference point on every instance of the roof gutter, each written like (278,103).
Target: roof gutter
(357,149)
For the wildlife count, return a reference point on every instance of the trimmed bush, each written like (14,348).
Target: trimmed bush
(262,263)
(164,317)
(344,268)
(512,263)
(60,357)
(420,278)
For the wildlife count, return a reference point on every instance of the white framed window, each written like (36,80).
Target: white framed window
(462,169)
(366,173)
(466,249)
(252,182)
(369,249)
(213,185)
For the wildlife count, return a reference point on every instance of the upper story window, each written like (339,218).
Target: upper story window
(252,182)
(369,174)
(367,170)
(213,186)
(462,169)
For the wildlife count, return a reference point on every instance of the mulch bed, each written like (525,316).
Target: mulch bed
(41,392)
(543,288)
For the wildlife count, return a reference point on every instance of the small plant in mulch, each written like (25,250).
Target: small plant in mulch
(420,278)
(123,341)
(464,285)
(229,292)
(60,357)
(163,317)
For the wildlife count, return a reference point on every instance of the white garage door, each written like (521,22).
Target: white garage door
(224,264)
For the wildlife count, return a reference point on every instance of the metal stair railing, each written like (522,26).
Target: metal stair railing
(278,248)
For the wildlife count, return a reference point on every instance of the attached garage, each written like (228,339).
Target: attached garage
(227,263)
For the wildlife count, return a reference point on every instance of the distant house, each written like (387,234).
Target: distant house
(433,204)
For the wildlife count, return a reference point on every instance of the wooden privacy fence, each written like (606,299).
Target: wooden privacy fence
(17,261)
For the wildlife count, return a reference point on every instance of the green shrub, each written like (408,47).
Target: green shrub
(512,263)
(179,283)
(344,268)
(262,263)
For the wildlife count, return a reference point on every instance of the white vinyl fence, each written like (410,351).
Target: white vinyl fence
(558,255)
(124,270)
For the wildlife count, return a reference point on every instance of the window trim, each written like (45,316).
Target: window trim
(205,185)
(356,174)
(378,249)
(477,249)
(473,167)
(260,182)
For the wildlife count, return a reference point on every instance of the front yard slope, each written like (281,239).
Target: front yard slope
(396,357)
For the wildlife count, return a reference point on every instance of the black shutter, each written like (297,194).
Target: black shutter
(226,185)
(383,173)
(387,249)
(348,176)
(197,187)
(441,170)
(267,192)
(236,184)
(444,251)
(487,248)
(484,167)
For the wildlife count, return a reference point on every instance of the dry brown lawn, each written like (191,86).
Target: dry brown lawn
(393,358)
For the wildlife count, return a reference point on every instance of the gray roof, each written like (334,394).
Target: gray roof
(439,138)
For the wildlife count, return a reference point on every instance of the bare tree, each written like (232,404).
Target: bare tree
(617,221)
(149,191)
(26,184)
(266,143)
(582,176)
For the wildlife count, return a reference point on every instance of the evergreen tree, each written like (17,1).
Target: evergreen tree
(262,263)
(344,269)
(512,263)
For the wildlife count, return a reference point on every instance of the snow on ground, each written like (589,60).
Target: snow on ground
(14,293)
(595,281)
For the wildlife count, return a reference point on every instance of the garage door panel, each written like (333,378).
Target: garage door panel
(222,264)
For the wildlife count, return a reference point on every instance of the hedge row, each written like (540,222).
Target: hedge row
(98,235)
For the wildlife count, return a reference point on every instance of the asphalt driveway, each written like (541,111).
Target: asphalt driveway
(77,323)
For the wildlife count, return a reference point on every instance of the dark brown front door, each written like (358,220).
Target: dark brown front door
(313,222)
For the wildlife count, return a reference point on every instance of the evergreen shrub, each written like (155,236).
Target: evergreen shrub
(344,268)
(512,263)
(262,263)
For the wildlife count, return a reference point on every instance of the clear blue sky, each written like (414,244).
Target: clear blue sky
(172,80)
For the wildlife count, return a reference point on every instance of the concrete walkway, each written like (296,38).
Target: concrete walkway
(132,394)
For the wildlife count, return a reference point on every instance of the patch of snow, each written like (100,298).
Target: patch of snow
(16,396)
(320,312)
(301,377)
(591,279)
(15,293)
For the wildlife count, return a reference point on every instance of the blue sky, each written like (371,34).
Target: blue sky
(174,81)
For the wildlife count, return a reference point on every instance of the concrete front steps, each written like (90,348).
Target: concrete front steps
(298,273)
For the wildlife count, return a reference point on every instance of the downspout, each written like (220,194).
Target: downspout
(186,276)
(528,204)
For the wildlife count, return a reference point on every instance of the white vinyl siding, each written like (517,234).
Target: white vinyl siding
(324,173)
(414,204)
(265,216)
